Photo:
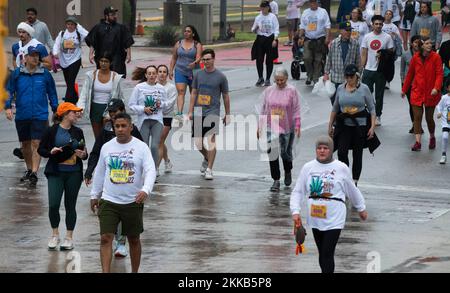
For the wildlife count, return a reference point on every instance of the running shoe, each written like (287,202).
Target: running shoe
(443,160)
(432,144)
(53,243)
(121,251)
(67,244)
(204,166)
(209,174)
(33,179)
(26,176)
(18,153)
(287,178)
(416,147)
(267,82)
(378,121)
(168,167)
(275,186)
(260,82)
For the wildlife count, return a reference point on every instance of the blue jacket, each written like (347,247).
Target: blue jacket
(31,92)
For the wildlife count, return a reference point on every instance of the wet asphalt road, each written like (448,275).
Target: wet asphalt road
(233,223)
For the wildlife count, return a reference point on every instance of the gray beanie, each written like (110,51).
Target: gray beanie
(325,140)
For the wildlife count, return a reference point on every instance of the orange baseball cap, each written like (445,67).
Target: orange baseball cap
(66,106)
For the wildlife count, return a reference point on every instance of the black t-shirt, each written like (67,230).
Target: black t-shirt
(114,38)
(444,52)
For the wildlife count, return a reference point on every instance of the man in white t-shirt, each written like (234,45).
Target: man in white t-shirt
(372,43)
(292,18)
(315,33)
(123,179)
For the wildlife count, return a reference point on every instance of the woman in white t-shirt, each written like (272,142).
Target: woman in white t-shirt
(148,100)
(67,49)
(359,26)
(324,184)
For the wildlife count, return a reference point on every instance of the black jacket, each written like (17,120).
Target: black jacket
(48,143)
(372,144)
(387,64)
(103,138)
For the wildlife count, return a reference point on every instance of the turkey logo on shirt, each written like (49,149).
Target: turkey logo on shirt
(375,45)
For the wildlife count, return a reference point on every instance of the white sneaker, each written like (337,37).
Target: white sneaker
(168,167)
(443,160)
(121,251)
(378,121)
(67,244)
(209,174)
(53,243)
(204,166)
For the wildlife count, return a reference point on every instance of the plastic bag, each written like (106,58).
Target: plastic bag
(324,89)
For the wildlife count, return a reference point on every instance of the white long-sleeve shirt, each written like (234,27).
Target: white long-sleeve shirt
(123,170)
(172,96)
(328,180)
(315,23)
(444,109)
(266,25)
(144,91)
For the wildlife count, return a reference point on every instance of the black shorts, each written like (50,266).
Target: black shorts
(168,122)
(30,129)
(445,129)
(209,125)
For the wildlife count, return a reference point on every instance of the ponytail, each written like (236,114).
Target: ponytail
(139,73)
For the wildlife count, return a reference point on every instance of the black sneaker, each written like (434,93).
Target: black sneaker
(33,179)
(18,153)
(308,82)
(26,176)
(267,82)
(276,186)
(287,178)
(260,82)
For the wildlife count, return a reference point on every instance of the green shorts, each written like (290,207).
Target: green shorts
(111,214)
(97,111)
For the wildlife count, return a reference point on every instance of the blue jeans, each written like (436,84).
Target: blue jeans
(280,146)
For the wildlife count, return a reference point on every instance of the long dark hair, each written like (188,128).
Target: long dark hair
(195,35)
(139,73)
(423,40)
(430,12)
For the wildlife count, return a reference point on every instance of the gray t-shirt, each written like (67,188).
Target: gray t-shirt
(210,86)
(354,102)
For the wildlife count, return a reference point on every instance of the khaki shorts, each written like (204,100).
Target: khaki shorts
(111,214)
(292,24)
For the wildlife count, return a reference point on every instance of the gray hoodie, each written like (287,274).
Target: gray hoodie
(427,26)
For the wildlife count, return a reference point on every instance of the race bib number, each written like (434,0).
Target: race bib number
(319,211)
(69,44)
(278,112)
(204,100)
(355,35)
(312,26)
(119,176)
(71,161)
(424,32)
(350,110)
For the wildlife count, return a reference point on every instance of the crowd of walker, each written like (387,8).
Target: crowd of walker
(124,163)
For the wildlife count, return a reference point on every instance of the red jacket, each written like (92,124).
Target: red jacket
(424,76)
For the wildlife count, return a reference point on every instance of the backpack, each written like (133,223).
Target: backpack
(410,12)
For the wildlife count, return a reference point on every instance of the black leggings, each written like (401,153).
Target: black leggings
(264,49)
(326,244)
(351,138)
(70,75)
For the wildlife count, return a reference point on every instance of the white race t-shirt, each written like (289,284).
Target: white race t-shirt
(68,48)
(267,25)
(359,30)
(332,180)
(292,11)
(274,7)
(315,23)
(373,43)
(391,28)
(123,170)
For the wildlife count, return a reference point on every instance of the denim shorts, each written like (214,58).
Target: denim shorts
(182,78)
